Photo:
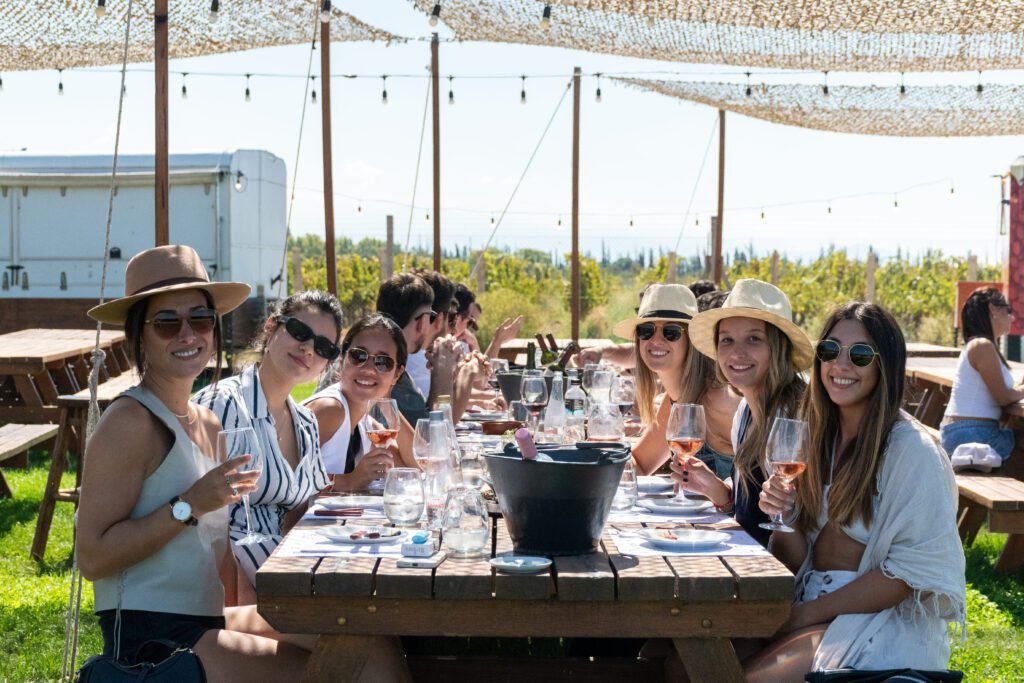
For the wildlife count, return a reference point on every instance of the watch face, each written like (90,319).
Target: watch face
(181,511)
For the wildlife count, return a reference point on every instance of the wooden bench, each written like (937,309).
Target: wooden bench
(74,412)
(16,439)
(1001,500)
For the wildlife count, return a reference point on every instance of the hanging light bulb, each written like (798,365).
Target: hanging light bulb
(248,93)
(522,93)
(101,8)
(60,81)
(903,87)
(951,188)
(451,93)
(749,90)
(214,11)
(435,14)
(597,95)
(240,181)
(631,225)
(1,84)
(830,208)
(492,220)
(559,222)
(312,93)
(184,88)
(384,90)
(359,206)
(980,87)
(895,201)
(325,12)
(545,17)
(762,214)
(824,88)
(428,217)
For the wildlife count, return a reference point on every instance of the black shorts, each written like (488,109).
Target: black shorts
(138,626)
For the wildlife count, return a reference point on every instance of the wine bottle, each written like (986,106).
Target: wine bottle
(571,349)
(531,356)
(552,344)
(547,355)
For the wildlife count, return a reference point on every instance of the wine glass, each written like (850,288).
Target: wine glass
(588,376)
(626,493)
(534,392)
(498,365)
(403,496)
(421,443)
(384,420)
(232,443)
(685,434)
(623,393)
(785,457)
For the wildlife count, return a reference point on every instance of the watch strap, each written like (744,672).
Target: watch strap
(191,521)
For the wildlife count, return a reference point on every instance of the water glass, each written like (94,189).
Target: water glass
(604,422)
(626,493)
(403,496)
(466,524)
(473,467)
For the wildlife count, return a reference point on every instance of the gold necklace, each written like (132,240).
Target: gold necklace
(190,416)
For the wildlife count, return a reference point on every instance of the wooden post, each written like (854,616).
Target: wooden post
(717,263)
(325,108)
(387,264)
(576,204)
(972,268)
(297,284)
(716,258)
(160,157)
(481,273)
(670,271)
(775,267)
(869,286)
(436,95)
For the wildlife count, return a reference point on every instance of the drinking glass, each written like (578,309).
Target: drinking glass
(231,443)
(421,442)
(403,496)
(604,422)
(466,524)
(588,376)
(534,392)
(685,434)
(623,393)
(785,457)
(600,384)
(473,468)
(626,493)
(385,420)
(497,365)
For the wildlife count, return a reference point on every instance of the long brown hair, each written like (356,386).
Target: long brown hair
(692,383)
(977,318)
(854,478)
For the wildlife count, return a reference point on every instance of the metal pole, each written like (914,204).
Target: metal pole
(325,104)
(161,175)
(436,106)
(716,257)
(576,204)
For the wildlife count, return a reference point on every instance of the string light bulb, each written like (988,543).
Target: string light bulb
(428,217)
(492,220)
(559,222)
(895,201)
(522,93)
(749,91)
(597,95)
(980,87)
(631,224)
(951,188)
(451,93)
(240,181)
(325,12)
(824,88)
(384,90)
(435,14)
(903,86)
(830,208)
(762,214)
(248,93)
(1,84)
(312,93)
(359,206)
(60,82)
(214,11)
(545,18)
(184,88)
(101,8)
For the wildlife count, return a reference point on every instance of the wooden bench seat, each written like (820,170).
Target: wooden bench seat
(1001,500)
(16,439)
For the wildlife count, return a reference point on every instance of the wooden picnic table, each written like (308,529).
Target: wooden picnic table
(514,350)
(923,350)
(698,602)
(38,365)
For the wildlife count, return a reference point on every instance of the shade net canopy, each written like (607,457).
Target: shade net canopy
(61,34)
(820,35)
(944,111)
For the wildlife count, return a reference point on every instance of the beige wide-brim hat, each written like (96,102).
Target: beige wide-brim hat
(758,300)
(661,303)
(170,268)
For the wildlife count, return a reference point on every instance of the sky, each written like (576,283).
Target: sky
(641,153)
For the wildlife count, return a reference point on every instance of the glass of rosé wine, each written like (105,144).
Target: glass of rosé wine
(685,434)
(785,458)
(384,421)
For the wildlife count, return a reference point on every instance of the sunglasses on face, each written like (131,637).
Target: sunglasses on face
(167,324)
(382,363)
(670,331)
(432,314)
(473,326)
(861,354)
(301,332)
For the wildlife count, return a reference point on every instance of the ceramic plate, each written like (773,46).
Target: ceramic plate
(654,484)
(365,502)
(671,506)
(520,564)
(684,539)
(344,534)
(482,417)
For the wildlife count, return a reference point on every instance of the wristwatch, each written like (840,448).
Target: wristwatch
(182,512)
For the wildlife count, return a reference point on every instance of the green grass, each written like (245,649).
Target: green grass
(34,596)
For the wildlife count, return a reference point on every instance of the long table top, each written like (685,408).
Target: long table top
(29,351)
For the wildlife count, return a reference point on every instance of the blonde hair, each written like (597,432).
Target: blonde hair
(693,382)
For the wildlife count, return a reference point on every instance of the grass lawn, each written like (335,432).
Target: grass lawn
(34,596)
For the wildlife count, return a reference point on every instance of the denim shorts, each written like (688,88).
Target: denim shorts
(977,431)
(815,584)
(720,464)
(138,626)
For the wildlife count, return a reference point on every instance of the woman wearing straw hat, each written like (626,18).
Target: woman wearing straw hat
(662,350)
(152,525)
(759,351)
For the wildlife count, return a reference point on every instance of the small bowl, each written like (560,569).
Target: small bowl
(499,427)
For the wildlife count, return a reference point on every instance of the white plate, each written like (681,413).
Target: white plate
(365,502)
(343,534)
(671,506)
(520,564)
(483,417)
(654,484)
(684,539)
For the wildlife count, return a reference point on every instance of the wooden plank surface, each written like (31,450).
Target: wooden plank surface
(17,438)
(518,586)
(639,578)
(584,577)
(703,578)
(995,493)
(286,576)
(395,582)
(760,578)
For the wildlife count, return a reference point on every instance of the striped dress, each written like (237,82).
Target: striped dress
(239,402)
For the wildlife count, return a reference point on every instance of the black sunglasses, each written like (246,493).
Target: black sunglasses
(670,331)
(381,362)
(432,314)
(301,332)
(167,324)
(861,354)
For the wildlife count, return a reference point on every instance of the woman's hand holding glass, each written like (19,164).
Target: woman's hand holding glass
(785,460)
(684,432)
(778,497)
(232,443)
(221,486)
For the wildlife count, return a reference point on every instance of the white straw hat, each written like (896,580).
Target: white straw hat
(661,303)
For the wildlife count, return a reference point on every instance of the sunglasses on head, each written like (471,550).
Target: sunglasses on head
(381,362)
(167,324)
(861,354)
(301,332)
(670,331)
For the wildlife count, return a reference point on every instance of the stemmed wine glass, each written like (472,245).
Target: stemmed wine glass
(421,443)
(785,457)
(232,443)
(623,393)
(685,434)
(385,420)
(534,392)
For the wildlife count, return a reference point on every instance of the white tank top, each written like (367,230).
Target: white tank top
(970,396)
(335,449)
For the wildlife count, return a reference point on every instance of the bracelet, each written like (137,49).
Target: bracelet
(728,507)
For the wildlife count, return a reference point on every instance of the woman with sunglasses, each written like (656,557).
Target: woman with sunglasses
(295,344)
(373,358)
(760,353)
(983,384)
(879,565)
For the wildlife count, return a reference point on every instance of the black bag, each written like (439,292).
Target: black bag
(178,665)
(894,675)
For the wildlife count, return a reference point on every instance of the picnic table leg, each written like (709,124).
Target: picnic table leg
(342,658)
(709,660)
(1012,556)
(972,516)
(52,487)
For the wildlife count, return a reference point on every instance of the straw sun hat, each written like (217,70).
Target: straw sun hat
(661,303)
(760,301)
(171,268)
